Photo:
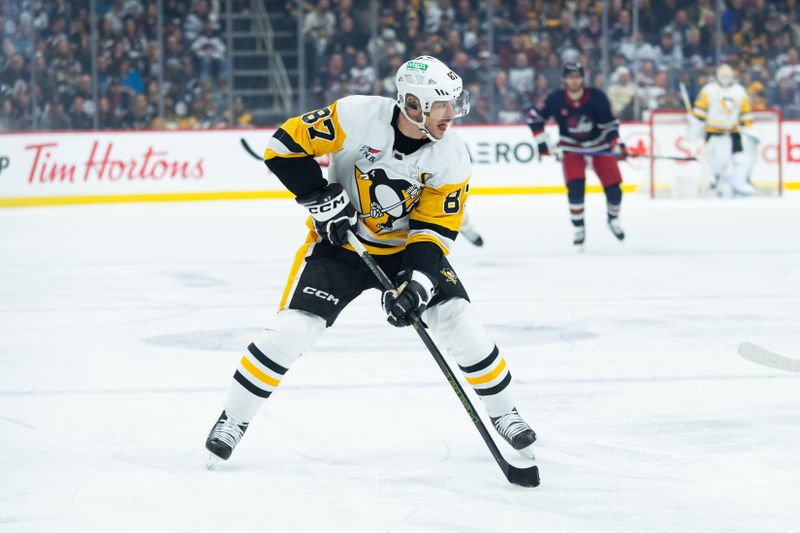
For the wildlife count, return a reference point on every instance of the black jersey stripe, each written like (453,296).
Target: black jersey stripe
(374,244)
(266,361)
(244,382)
(288,142)
(480,365)
(497,388)
(441,230)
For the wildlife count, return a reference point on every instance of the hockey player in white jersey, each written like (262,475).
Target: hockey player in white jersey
(722,110)
(399,180)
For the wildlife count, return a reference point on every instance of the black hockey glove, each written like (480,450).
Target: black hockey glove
(414,291)
(623,151)
(543,149)
(332,212)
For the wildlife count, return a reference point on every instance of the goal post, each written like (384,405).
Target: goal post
(670,136)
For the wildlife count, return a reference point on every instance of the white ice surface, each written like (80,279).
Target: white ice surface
(121,325)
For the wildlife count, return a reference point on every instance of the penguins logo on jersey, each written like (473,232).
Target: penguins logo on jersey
(449,275)
(383,200)
(728,105)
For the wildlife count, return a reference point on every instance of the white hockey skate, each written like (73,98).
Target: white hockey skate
(516,432)
(580,236)
(223,438)
(613,225)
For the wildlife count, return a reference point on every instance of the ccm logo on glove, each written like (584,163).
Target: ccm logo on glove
(334,204)
(332,212)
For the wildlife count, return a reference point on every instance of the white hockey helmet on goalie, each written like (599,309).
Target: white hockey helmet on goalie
(436,88)
(725,75)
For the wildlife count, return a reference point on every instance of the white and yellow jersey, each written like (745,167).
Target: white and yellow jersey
(401,199)
(723,109)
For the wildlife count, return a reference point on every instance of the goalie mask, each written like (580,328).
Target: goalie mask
(725,75)
(434,87)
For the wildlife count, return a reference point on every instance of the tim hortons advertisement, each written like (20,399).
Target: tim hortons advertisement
(105,163)
(62,167)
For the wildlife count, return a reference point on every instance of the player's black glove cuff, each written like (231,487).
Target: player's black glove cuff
(412,295)
(332,212)
(623,151)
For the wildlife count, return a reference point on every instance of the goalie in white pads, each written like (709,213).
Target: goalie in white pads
(399,184)
(722,110)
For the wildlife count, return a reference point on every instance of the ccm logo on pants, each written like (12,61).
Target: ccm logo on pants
(321,294)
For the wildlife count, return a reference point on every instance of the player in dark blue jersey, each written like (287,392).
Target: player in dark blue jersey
(585,124)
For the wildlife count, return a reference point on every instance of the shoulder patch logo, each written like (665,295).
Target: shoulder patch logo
(369,152)
(449,275)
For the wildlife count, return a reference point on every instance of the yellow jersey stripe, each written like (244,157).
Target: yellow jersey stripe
(701,102)
(296,264)
(270,153)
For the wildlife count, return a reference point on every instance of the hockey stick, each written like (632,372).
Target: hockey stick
(630,156)
(250,150)
(687,104)
(765,357)
(526,477)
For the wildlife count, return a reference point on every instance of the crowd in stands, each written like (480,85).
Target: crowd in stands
(676,42)
(55,35)
(531,39)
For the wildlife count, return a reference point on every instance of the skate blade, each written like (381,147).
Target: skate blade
(527,452)
(212,461)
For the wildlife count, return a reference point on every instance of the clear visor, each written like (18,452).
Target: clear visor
(447,109)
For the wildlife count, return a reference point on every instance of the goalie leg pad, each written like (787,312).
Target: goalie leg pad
(740,174)
(721,150)
(456,324)
(267,360)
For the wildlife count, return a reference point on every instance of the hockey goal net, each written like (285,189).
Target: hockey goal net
(670,137)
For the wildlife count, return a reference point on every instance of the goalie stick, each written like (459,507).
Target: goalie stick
(687,104)
(762,356)
(526,477)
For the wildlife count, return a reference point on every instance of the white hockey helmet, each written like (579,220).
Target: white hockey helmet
(437,88)
(725,75)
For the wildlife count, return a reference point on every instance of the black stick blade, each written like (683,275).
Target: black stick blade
(524,477)
(250,151)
